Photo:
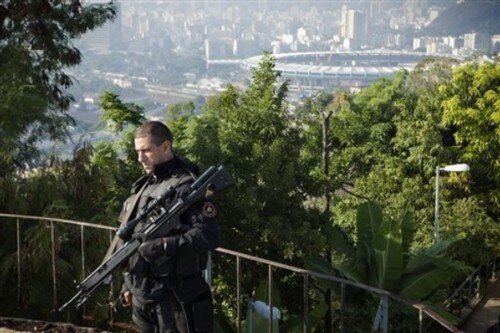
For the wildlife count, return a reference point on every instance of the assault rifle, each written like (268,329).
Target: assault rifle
(210,182)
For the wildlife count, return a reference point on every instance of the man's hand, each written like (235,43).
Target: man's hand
(126,298)
(151,249)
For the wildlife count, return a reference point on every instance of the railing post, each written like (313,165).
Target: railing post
(82,250)
(18,238)
(54,268)
(111,303)
(238,295)
(382,317)
(82,253)
(306,302)
(342,304)
(468,290)
(420,321)
(477,283)
(249,322)
(386,314)
(270,292)
(208,270)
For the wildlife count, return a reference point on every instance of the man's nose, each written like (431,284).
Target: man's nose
(140,156)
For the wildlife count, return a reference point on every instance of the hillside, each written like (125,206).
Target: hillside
(479,16)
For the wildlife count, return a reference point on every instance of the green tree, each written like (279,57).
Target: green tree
(117,115)
(118,159)
(315,118)
(71,189)
(471,106)
(388,141)
(365,163)
(260,145)
(35,49)
(180,110)
(90,186)
(433,129)
(252,133)
(395,133)
(471,114)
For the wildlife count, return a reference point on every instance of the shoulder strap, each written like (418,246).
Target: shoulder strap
(133,203)
(186,179)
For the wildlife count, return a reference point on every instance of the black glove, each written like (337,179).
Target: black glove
(151,249)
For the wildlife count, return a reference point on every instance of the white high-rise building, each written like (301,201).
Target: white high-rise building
(417,43)
(495,43)
(477,41)
(353,25)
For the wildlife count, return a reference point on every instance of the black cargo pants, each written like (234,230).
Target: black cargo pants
(169,316)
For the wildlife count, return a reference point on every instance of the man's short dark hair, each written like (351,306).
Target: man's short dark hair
(158,132)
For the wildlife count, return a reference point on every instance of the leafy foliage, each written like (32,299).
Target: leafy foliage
(397,131)
(380,256)
(35,48)
(471,106)
(90,187)
(180,110)
(252,134)
(117,114)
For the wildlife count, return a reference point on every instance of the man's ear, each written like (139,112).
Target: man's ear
(166,146)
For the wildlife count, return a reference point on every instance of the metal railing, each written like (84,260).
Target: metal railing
(271,265)
(468,294)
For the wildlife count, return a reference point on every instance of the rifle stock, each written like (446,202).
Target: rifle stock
(210,182)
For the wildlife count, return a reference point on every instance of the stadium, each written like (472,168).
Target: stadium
(310,72)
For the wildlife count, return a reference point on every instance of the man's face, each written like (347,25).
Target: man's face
(149,154)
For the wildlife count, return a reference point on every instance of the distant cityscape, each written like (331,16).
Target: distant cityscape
(217,29)
(159,52)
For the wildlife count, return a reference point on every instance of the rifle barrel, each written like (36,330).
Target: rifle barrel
(78,294)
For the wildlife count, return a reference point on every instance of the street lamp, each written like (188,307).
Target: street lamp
(462,167)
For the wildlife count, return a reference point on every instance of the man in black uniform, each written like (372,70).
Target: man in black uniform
(164,282)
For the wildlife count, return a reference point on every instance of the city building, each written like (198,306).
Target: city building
(353,27)
(477,41)
(108,37)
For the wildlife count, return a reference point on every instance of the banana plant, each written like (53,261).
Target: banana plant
(381,255)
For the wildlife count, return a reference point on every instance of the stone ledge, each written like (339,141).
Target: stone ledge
(9,325)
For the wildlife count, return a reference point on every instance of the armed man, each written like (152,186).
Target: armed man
(163,282)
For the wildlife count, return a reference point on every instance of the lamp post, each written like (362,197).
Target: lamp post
(448,168)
